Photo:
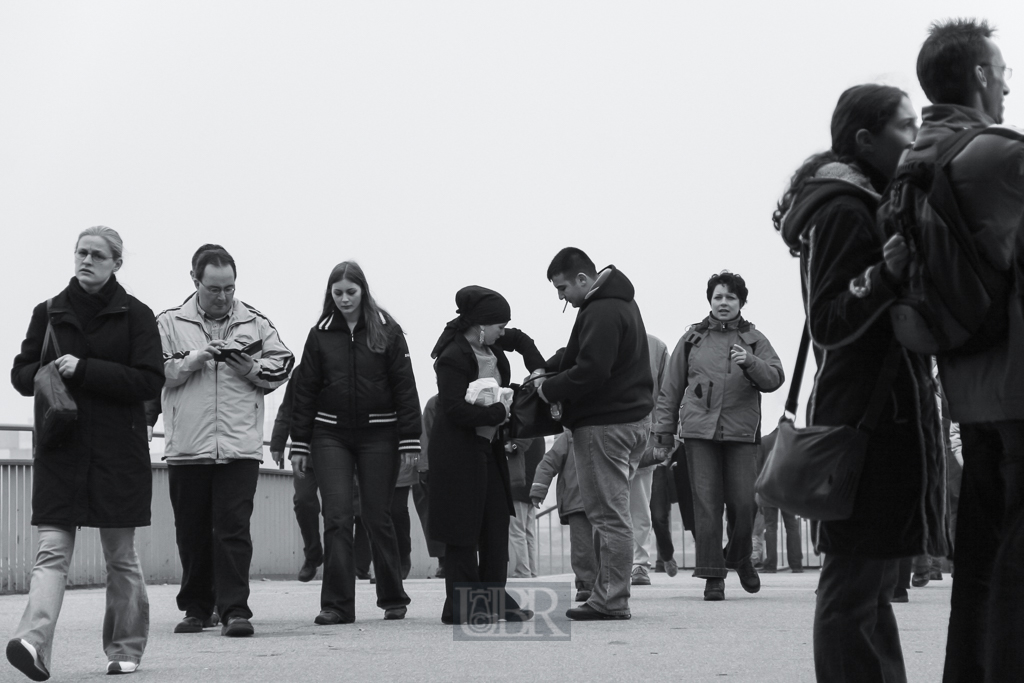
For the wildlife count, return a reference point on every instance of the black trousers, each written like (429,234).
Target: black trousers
(372,456)
(856,639)
(403,527)
(481,569)
(306,503)
(986,619)
(794,552)
(212,507)
(419,499)
(662,489)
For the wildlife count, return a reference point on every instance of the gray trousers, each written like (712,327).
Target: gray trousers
(126,619)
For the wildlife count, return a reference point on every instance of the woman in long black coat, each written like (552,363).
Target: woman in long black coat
(849,280)
(470,499)
(99,474)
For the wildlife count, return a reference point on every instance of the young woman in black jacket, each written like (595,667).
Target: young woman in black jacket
(470,499)
(99,474)
(356,412)
(849,279)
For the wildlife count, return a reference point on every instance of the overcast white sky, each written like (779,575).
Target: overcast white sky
(440,144)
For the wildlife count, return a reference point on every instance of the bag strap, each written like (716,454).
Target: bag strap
(886,377)
(51,336)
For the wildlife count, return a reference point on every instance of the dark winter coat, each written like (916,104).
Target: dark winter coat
(342,383)
(522,465)
(458,456)
(988,182)
(604,374)
(100,475)
(900,508)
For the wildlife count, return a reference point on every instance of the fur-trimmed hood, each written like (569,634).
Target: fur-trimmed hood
(831,180)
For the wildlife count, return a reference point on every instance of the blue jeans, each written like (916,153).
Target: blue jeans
(126,619)
(372,456)
(856,638)
(722,475)
(606,459)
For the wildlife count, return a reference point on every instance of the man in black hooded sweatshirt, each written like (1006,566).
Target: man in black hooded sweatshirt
(604,389)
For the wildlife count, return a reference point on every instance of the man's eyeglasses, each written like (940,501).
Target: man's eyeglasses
(97,256)
(228,291)
(1007,71)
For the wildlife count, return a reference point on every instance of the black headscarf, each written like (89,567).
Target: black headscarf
(476,306)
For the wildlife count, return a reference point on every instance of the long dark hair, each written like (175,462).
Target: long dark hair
(374,317)
(869,107)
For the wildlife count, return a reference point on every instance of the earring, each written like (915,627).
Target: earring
(481,336)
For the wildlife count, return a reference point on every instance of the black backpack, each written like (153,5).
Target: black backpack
(952,297)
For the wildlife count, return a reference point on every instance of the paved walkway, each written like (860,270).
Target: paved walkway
(674,635)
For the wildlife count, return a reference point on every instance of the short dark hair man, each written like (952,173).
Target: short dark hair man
(213,417)
(962,71)
(605,389)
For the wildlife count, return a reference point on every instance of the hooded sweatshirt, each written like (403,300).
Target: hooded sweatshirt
(604,374)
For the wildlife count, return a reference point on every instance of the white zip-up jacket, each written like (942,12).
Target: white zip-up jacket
(211,413)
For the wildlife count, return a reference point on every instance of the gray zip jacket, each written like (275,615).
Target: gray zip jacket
(210,412)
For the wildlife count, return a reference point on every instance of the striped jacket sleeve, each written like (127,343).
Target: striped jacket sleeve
(276,361)
(403,389)
(305,387)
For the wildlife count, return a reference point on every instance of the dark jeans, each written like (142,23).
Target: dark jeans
(361,547)
(856,639)
(722,475)
(212,506)
(307,514)
(987,605)
(419,499)
(403,527)
(661,508)
(372,456)
(461,564)
(794,553)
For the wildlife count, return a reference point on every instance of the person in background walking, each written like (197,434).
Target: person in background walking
(522,540)
(421,487)
(794,552)
(106,347)
(712,399)
(305,500)
(356,413)
(470,497)
(560,461)
(848,277)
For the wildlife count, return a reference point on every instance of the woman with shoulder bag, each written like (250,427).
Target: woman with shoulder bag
(470,499)
(849,279)
(355,413)
(98,474)
(711,398)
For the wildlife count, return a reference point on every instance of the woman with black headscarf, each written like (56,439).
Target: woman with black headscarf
(470,497)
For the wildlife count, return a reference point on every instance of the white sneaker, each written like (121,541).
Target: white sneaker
(118,667)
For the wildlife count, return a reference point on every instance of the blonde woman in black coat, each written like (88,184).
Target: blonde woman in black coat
(470,499)
(99,475)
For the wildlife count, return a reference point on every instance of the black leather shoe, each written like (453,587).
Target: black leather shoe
(518,615)
(212,620)
(587,613)
(920,579)
(189,625)
(901,595)
(714,590)
(749,579)
(582,595)
(328,618)
(237,627)
(394,613)
(308,571)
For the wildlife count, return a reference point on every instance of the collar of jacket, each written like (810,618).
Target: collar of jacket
(60,308)
(189,310)
(335,322)
(737,323)
(830,181)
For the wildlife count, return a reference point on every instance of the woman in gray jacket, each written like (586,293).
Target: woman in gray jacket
(711,400)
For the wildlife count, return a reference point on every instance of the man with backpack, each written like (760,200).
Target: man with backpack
(962,71)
